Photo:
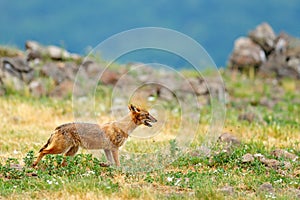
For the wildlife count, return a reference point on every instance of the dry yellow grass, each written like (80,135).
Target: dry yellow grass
(26,125)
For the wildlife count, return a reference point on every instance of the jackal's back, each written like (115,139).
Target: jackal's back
(88,135)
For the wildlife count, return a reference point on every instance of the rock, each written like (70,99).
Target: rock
(54,71)
(32,174)
(17,67)
(37,88)
(246,53)
(34,50)
(277,64)
(194,86)
(229,138)
(272,163)
(16,167)
(281,44)
(166,94)
(15,73)
(228,190)
(249,116)
(295,192)
(57,53)
(109,77)
(266,187)
(287,165)
(201,151)
(258,156)
(247,158)
(92,68)
(269,103)
(280,153)
(70,69)
(227,143)
(33,45)
(38,51)
(264,36)
(64,89)
(271,55)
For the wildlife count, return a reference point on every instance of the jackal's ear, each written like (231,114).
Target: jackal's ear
(132,108)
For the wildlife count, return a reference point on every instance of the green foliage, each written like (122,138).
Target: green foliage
(190,176)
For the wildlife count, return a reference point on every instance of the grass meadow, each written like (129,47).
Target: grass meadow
(27,122)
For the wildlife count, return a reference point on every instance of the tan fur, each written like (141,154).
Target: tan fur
(67,138)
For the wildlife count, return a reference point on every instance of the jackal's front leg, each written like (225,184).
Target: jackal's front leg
(108,156)
(115,154)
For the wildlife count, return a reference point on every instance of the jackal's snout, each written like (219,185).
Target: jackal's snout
(141,116)
(150,119)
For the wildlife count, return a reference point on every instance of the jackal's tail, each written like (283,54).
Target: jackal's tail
(47,144)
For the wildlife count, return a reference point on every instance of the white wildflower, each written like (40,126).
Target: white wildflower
(278,181)
(270,196)
(169,179)
(88,173)
(177,182)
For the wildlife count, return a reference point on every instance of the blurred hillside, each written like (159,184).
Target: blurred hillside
(79,25)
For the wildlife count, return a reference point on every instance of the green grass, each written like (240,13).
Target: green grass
(27,123)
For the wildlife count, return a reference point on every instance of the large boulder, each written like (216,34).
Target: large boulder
(38,51)
(246,53)
(264,36)
(14,72)
(279,66)
(272,55)
(284,61)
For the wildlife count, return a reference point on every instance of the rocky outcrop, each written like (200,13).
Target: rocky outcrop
(269,54)
(38,51)
(52,71)
(246,53)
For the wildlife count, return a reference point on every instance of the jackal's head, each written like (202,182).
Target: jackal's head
(141,116)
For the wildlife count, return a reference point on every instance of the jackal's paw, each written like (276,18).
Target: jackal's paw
(105,164)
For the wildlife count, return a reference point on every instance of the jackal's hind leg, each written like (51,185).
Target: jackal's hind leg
(56,146)
(41,155)
(71,152)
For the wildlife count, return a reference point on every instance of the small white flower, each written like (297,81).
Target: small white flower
(16,152)
(270,195)
(293,182)
(15,186)
(88,173)
(278,181)
(49,182)
(169,179)
(177,182)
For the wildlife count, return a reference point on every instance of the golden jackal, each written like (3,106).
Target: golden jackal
(67,138)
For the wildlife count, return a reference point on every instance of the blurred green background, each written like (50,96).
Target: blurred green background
(78,25)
